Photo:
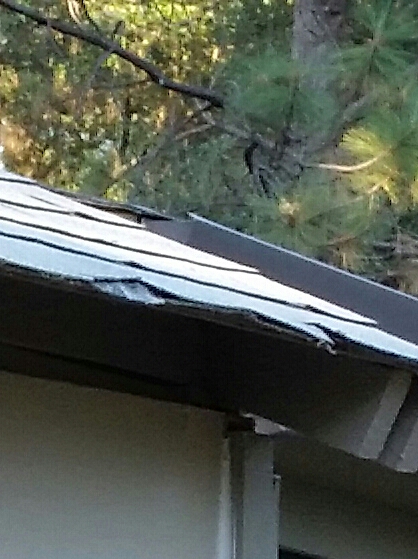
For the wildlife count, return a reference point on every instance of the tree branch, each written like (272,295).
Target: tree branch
(192,131)
(350,168)
(94,38)
(149,155)
(77,10)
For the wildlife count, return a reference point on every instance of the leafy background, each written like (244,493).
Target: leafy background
(337,141)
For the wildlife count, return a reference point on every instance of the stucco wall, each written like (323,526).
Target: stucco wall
(336,525)
(90,474)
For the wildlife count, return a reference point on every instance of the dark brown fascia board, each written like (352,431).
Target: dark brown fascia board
(395,312)
(72,319)
(16,283)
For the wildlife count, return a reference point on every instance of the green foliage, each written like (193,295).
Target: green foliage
(57,96)
(262,87)
(342,160)
(388,140)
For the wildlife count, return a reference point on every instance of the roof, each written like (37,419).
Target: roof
(393,310)
(48,234)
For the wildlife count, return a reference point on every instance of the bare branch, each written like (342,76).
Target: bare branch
(57,47)
(192,131)
(149,155)
(94,38)
(353,109)
(78,11)
(229,129)
(350,168)
(74,11)
(100,60)
(89,82)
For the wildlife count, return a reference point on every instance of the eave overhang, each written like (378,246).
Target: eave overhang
(92,298)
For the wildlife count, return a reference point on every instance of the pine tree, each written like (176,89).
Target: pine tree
(342,174)
(312,142)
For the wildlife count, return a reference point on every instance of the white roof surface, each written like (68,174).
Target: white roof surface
(51,234)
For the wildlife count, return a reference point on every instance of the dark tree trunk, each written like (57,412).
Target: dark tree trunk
(319,26)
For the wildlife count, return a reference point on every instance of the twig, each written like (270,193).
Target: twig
(57,48)
(94,38)
(150,155)
(352,110)
(231,129)
(349,114)
(126,126)
(100,60)
(77,9)
(349,168)
(74,11)
(192,131)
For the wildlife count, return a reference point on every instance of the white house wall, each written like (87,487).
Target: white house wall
(90,474)
(336,525)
